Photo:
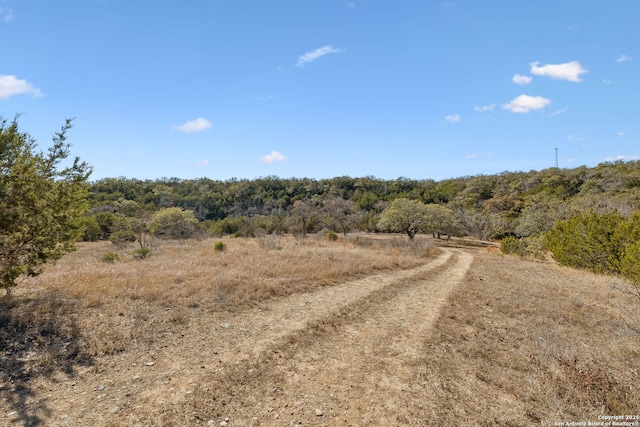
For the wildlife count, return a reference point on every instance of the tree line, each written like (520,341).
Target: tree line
(517,204)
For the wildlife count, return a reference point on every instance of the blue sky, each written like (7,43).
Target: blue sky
(413,88)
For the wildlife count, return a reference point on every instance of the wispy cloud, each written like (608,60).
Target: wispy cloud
(351,5)
(262,98)
(485,108)
(623,158)
(10,86)
(526,103)
(620,133)
(313,55)
(560,111)
(570,71)
(275,156)
(573,137)
(192,126)
(471,156)
(521,80)
(202,163)
(6,14)
(453,118)
(607,82)
(624,58)
(574,27)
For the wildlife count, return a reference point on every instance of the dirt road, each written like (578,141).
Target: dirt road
(342,356)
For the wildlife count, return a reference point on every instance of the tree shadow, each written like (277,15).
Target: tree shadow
(39,337)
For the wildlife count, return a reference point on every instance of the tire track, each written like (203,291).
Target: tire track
(353,358)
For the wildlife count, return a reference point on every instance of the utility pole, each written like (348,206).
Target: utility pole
(556,157)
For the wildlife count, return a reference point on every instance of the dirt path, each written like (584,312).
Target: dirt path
(343,355)
(347,357)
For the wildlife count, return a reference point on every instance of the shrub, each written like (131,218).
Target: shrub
(535,246)
(512,246)
(110,258)
(141,253)
(332,236)
(220,246)
(585,241)
(173,223)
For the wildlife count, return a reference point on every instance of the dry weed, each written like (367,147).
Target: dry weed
(525,343)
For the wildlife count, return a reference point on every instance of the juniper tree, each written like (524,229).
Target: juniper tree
(42,202)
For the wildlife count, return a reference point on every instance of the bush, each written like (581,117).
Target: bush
(332,236)
(512,246)
(535,246)
(110,258)
(630,263)
(141,253)
(173,223)
(220,246)
(586,241)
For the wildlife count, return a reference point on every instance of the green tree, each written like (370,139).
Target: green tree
(404,216)
(173,223)
(440,220)
(42,203)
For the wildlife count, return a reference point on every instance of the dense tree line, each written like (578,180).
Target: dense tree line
(518,204)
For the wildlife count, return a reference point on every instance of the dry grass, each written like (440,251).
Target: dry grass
(123,298)
(525,343)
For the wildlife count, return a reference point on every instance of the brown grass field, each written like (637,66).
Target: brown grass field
(367,330)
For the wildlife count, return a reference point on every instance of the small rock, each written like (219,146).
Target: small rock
(223,424)
(137,376)
(226,325)
(319,412)
(211,423)
(150,363)
(100,388)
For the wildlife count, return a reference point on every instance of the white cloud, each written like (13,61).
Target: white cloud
(6,14)
(521,80)
(453,118)
(485,108)
(572,160)
(312,56)
(568,71)
(573,137)
(624,58)
(191,126)
(526,103)
(10,86)
(607,82)
(471,156)
(351,5)
(620,133)
(623,158)
(202,163)
(262,98)
(275,156)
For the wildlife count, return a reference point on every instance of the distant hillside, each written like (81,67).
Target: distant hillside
(487,206)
